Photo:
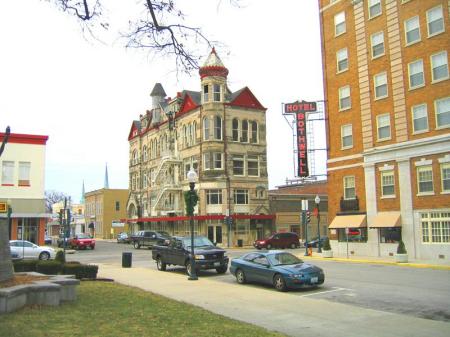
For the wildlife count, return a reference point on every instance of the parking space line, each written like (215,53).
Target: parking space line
(326,291)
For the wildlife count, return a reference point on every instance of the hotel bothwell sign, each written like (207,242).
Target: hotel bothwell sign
(300,109)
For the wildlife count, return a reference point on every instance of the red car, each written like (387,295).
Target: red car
(278,240)
(82,241)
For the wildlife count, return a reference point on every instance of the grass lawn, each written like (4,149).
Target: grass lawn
(109,309)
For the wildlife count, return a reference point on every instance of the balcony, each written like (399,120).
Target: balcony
(350,205)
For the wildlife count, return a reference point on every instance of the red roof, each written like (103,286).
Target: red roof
(246,99)
(20,138)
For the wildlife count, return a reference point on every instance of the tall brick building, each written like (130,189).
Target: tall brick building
(387,88)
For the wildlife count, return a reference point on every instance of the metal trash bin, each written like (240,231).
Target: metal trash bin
(126,259)
(240,243)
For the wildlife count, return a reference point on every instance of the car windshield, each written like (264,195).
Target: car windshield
(199,241)
(278,259)
(83,236)
(164,234)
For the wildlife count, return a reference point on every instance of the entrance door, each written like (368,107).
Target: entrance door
(215,234)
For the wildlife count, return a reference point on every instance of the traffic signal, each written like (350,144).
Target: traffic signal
(61,216)
(308,217)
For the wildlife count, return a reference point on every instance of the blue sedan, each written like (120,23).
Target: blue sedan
(278,268)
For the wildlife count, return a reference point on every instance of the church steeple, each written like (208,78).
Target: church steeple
(106,182)
(82,194)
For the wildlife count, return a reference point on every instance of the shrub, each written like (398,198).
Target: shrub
(60,257)
(49,267)
(326,244)
(24,265)
(81,271)
(401,249)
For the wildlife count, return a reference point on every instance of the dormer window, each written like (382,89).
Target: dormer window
(216,93)
(205,93)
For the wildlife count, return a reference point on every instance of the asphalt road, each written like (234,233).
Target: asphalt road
(411,291)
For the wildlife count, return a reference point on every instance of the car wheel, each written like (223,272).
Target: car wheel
(188,268)
(221,270)
(240,276)
(279,283)
(136,245)
(160,265)
(92,247)
(293,245)
(44,256)
(269,246)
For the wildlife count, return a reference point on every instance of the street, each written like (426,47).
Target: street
(411,291)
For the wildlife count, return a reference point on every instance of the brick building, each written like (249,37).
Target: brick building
(387,88)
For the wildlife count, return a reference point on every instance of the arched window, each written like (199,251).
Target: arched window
(254,137)
(217,128)
(135,157)
(194,133)
(191,135)
(216,88)
(235,126)
(206,127)
(244,137)
(205,93)
(185,140)
(144,150)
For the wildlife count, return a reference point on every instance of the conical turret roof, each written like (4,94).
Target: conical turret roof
(213,66)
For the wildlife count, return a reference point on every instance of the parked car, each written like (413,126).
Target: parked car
(178,252)
(279,240)
(123,238)
(149,239)
(60,241)
(281,269)
(28,250)
(82,241)
(48,240)
(315,241)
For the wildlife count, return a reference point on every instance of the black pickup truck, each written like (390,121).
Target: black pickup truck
(149,239)
(207,256)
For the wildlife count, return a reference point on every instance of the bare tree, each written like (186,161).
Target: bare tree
(52,197)
(160,29)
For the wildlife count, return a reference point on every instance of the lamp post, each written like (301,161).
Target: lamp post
(319,245)
(192,177)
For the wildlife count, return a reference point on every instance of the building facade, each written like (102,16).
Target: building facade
(387,88)
(22,178)
(77,221)
(220,135)
(104,211)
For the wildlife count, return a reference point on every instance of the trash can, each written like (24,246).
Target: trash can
(240,243)
(126,259)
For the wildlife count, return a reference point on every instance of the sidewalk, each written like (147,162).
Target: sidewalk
(291,315)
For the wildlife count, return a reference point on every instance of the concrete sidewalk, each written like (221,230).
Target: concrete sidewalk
(291,315)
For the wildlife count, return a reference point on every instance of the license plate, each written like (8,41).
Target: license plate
(314,279)
(216,264)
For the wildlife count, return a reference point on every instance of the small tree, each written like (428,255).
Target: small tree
(326,244)
(401,249)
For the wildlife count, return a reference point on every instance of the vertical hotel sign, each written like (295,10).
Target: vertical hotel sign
(300,109)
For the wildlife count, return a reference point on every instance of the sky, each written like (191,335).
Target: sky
(84,94)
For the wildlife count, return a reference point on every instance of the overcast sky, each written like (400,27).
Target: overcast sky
(84,95)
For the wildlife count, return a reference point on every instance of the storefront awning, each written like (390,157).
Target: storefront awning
(386,219)
(349,221)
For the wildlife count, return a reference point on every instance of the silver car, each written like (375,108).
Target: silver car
(28,250)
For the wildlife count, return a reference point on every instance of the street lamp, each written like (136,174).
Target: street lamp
(192,200)
(319,246)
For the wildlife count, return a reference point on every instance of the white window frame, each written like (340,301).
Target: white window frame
(235,131)
(416,26)
(372,38)
(346,132)
(435,227)
(210,160)
(24,173)
(244,131)
(217,123)
(8,168)
(384,177)
(349,183)
(414,110)
(254,134)
(441,18)
(372,4)
(252,159)
(437,113)
(384,121)
(380,80)
(419,61)
(214,193)
(432,62)
(206,128)
(423,168)
(339,21)
(244,193)
(444,177)
(217,93)
(205,93)
(340,58)
(240,158)
(341,97)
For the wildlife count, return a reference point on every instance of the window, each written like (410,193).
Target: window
(342,60)
(384,127)
(425,179)
(235,126)
(346,136)
(145,154)
(206,128)
(24,173)
(254,135)
(205,93)
(339,24)
(252,166)
(445,177)
(420,118)
(390,234)
(344,98)
(443,112)
(354,235)
(216,93)
(435,21)
(374,8)
(241,197)
(349,187)
(435,227)
(212,161)
(217,128)
(213,197)
(244,137)
(135,157)
(144,180)
(416,77)
(238,165)
(117,205)
(412,30)
(439,66)
(387,183)
(8,173)
(377,41)
(380,83)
